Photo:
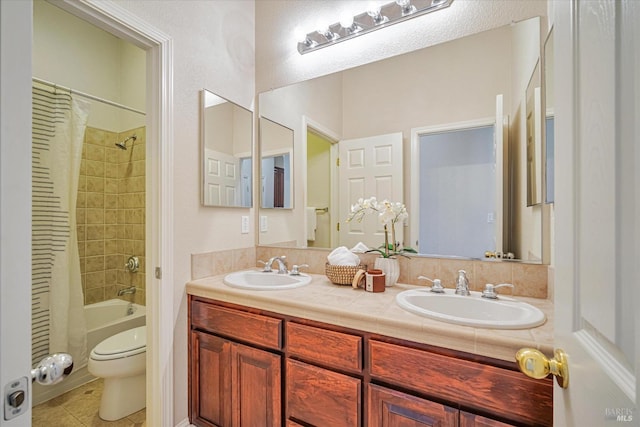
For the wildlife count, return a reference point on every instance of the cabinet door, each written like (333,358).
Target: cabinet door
(473,420)
(256,381)
(322,398)
(210,380)
(390,408)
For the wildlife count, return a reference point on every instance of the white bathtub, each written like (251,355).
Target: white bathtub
(104,319)
(107,318)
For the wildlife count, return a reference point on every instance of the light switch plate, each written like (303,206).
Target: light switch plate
(263,224)
(245,225)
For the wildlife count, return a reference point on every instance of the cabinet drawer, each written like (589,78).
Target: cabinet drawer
(393,408)
(248,327)
(320,397)
(335,349)
(484,387)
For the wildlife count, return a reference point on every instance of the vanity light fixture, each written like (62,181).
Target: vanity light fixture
(373,19)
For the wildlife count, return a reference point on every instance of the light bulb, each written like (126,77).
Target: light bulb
(377,17)
(406,6)
(300,35)
(346,20)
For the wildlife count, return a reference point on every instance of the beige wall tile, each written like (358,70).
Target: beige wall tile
(449,271)
(111,185)
(95,279)
(95,185)
(494,272)
(419,266)
(95,200)
(94,168)
(95,152)
(95,247)
(530,280)
(81,201)
(110,277)
(95,216)
(243,258)
(95,263)
(95,232)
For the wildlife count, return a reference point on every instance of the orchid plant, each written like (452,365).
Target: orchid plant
(389,213)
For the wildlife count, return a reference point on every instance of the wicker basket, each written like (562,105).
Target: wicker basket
(342,274)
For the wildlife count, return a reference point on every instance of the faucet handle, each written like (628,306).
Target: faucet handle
(437,287)
(490,290)
(295,270)
(267,266)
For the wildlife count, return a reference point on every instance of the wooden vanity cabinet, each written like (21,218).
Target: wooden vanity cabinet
(253,368)
(319,393)
(233,384)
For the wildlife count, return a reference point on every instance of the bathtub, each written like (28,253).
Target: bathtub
(107,318)
(103,320)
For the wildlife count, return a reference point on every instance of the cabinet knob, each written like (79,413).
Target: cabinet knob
(533,363)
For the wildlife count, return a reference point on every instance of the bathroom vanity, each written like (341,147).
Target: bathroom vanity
(327,355)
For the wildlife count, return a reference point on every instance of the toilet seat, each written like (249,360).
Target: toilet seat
(124,344)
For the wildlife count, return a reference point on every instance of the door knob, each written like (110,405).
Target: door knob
(533,363)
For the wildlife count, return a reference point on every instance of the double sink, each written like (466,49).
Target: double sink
(471,310)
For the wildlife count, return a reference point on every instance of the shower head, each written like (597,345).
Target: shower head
(123,145)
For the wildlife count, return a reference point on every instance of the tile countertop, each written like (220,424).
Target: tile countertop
(378,313)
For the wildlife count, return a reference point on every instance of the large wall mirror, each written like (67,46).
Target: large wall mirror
(276,165)
(227,141)
(436,88)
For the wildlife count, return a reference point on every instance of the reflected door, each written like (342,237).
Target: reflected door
(369,167)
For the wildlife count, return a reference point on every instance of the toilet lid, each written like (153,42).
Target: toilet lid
(123,344)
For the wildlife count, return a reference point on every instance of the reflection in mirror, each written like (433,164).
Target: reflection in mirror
(459,176)
(550,119)
(276,148)
(450,83)
(534,138)
(227,134)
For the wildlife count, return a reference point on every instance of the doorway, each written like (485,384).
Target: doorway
(17,24)
(102,79)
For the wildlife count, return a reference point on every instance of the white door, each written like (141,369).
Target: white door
(596,210)
(221,179)
(368,167)
(15,206)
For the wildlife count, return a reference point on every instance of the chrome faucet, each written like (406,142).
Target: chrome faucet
(282,264)
(462,283)
(127,291)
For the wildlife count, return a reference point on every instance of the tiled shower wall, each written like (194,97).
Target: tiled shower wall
(111,214)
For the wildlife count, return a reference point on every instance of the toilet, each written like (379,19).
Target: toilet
(121,361)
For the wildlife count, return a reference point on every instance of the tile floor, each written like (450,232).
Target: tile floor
(79,408)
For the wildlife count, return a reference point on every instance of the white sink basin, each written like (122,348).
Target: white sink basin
(472,310)
(260,281)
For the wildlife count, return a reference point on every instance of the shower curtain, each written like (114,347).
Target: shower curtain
(59,122)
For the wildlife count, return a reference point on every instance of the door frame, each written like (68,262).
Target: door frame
(309,124)
(159,191)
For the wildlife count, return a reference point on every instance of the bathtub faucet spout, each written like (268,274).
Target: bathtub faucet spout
(127,291)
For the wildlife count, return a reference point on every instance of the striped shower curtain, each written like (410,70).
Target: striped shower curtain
(58,126)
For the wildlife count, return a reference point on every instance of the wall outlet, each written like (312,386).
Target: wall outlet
(263,224)
(244,228)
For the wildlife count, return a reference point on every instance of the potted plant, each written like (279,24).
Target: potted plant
(389,213)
